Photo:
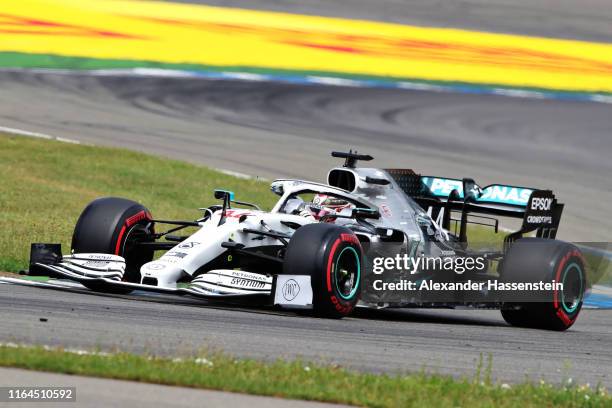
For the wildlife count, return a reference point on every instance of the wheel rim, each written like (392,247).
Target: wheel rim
(571,295)
(134,256)
(137,233)
(347,272)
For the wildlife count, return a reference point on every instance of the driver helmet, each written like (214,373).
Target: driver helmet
(329,204)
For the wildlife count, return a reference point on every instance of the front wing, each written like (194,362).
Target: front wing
(194,290)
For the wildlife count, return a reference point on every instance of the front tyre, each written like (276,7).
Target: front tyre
(332,256)
(112,225)
(534,259)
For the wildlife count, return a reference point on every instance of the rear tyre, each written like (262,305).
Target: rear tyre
(535,259)
(332,256)
(112,225)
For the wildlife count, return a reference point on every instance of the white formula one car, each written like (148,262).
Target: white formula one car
(314,249)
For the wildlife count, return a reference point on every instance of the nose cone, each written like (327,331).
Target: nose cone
(160,274)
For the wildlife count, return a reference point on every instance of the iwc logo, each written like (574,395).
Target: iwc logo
(290,290)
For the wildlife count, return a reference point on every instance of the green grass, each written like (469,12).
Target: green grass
(46,184)
(307,381)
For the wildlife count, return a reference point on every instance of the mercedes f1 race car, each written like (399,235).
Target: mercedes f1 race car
(332,247)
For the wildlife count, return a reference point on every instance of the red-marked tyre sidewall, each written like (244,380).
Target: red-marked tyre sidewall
(546,260)
(324,251)
(347,245)
(112,225)
(572,263)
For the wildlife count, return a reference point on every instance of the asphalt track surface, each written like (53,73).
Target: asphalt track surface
(275,130)
(440,341)
(278,130)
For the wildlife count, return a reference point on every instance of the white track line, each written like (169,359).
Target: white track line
(27,133)
(21,132)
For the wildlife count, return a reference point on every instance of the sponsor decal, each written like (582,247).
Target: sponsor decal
(135,218)
(385,210)
(252,276)
(236,280)
(496,193)
(293,291)
(542,204)
(443,187)
(177,254)
(290,290)
(247,283)
(169,260)
(189,245)
(539,219)
(318,199)
(506,195)
(539,210)
(237,213)
(340,307)
(350,238)
(155,266)
(96,264)
(96,257)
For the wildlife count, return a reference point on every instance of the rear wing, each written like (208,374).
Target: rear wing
(440,196)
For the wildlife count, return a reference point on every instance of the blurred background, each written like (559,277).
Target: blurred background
(504,92)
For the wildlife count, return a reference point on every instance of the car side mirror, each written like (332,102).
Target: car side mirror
(365,213)
(222,194)
(390,235)
(277,188)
